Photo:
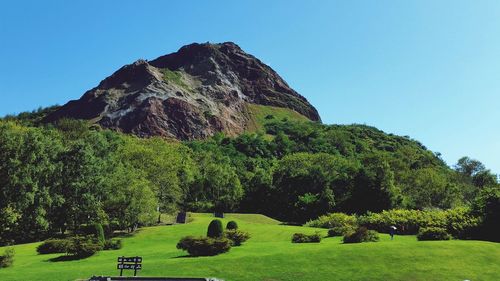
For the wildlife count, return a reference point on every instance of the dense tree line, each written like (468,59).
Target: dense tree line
(59,177)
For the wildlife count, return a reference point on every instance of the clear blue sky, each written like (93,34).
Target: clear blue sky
(427,69)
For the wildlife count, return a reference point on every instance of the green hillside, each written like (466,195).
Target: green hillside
(269,255)
(261,115)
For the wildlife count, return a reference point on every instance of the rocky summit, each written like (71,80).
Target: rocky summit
(190,94)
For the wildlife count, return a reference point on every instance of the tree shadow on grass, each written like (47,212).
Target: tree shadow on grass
(183,256)
(66,258)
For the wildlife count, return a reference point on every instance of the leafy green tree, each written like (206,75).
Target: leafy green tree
(304,185)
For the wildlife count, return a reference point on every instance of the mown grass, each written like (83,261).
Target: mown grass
(263,114)
(270,256)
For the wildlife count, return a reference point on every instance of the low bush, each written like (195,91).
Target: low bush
(459,221)
(53,246)
(7,258)
(362,234)
(237,237)
(433,233)
(340,231)
(204,246)
(215,229)
(305,238)
(113,244)
(232,225)
(334,220)
(84,246)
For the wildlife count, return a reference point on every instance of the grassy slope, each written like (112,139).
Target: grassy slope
(259,112)
(270,256)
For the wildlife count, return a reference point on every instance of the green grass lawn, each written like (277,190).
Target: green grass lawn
(270,256)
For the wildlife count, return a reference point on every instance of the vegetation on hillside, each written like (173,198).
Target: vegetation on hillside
(60,177)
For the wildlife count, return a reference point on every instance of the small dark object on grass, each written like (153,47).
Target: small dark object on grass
(305,238)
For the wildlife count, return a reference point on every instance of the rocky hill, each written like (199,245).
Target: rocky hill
(190,94)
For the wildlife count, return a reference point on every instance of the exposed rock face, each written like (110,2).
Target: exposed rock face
(191,94)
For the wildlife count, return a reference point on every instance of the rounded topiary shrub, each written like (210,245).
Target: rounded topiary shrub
(433,233)
(237,237)
(215,229)
(232,225)
(52,246)
(305,238)
(362,234)
(204,246)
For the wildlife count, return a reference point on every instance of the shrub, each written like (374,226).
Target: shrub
(433,233)
(204,246)
(82,246)
(96,230)
(340,231)
(111,244)
(99,233)
(459,221)
(215,229)
(305,238)
(52,246)
(237,237)
(362,234)
(8,258)
(334,220)
(232,225)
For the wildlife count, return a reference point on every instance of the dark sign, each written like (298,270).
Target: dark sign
(181,217)
(129,266)
(133,263)
(129,260)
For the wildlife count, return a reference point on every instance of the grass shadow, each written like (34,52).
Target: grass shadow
(65,258)
(183,256)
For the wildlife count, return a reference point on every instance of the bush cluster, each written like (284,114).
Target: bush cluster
(204,246)
(83,246)
(237,237)
(7,258)
(334,220)
(217,240)
(433,233)
(459,222)
(306,238)
(53,246)
(80,246)
(362,234)
(113,244)
(340,231)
